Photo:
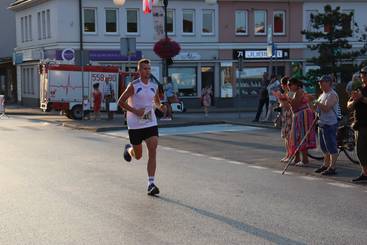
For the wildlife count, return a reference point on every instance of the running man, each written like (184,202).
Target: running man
(142,99)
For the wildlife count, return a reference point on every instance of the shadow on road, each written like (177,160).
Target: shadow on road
(267,235)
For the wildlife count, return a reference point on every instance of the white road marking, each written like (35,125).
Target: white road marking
(217,158)
(189,130)
(197,154)
(340,185)
(309,178)
(237,163)
(257,167)
(182,151)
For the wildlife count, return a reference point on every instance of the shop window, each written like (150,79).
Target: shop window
(248,81)
(132,21)
(241,22)
(89,21)
(279,22)
(226,85)
(184,80)
(260,22)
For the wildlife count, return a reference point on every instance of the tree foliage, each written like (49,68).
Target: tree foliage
(331,35)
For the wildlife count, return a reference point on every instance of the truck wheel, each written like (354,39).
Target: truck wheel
(76,112)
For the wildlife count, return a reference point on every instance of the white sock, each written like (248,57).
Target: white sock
(150,180)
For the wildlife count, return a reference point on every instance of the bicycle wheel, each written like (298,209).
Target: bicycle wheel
(349,148)
(316,154)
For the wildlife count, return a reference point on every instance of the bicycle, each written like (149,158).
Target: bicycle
(345,143)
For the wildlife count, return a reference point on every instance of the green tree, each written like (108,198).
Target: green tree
(331,30)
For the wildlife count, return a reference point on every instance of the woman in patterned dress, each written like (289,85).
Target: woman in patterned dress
(286,116)
(302,119)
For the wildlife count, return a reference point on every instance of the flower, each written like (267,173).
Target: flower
(166,48)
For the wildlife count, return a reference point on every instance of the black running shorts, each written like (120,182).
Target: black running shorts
(138,135)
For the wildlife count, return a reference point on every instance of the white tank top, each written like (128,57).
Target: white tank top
(143,98)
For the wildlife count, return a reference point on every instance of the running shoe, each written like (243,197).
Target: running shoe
(153,190)
(361,179)
(127,156)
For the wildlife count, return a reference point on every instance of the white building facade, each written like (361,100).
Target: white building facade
(46,28)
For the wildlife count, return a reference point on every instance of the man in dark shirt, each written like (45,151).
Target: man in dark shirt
(358,102)
(263,97)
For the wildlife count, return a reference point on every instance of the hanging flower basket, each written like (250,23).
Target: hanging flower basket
(166,48)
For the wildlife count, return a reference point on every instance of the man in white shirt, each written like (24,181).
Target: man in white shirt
(142,99)
(273,87)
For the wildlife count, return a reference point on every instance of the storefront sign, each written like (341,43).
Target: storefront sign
(260,54)
(68,54)
(187,56)
(112,55)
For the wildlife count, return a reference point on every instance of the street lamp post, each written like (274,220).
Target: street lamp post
(165,74)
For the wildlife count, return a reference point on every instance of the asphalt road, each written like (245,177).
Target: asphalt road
(64,186)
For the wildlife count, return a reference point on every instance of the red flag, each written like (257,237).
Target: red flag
(147,6)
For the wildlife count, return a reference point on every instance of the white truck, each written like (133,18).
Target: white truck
(61,86)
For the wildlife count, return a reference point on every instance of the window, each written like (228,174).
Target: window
(28,81)
(185,79)
(260,22)
(208,22)
(48,23)
(90,21)
(39,25)
(241,22)
(170,21)
(22,28)
(132,21)
(26,28)
(111,20)
(188,21)
(30,27)
(279,22)
(44,25)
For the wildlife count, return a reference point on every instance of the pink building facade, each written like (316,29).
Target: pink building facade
(246,31)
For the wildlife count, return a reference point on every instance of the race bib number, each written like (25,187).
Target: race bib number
(147,117)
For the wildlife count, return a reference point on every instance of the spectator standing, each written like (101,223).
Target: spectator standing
(286,115)
(302,120)
(206,98)
(358,103)
(327,107)
(171,97)
(272,88)
(108,96)
(97,100)
(263,97)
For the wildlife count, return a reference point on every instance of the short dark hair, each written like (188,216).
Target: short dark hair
(295,81)
(143,61)
(96,85)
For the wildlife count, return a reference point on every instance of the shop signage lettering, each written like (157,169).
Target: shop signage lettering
(259,54)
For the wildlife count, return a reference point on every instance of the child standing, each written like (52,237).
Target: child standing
(97,100)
